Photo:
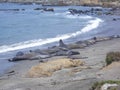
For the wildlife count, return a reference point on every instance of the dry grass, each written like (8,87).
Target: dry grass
(112,56)
(47,68)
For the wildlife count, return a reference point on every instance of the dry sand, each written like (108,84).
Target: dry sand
(74,78)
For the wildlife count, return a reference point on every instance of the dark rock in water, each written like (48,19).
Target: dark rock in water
(61,44)
(23,9)
(38,8)
(45,9)
(9,9)
(49,9)
(19,53)
(114,19)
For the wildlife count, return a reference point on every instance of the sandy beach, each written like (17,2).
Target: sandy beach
(74,78)
(65,79)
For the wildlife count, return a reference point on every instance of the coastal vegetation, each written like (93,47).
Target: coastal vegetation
(112,56)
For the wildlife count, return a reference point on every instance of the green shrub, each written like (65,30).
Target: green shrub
(112,56)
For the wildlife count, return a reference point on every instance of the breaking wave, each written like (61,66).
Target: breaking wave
(92,24)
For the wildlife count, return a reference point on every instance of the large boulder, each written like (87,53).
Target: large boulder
(108,86)
(49,9)
(45,9)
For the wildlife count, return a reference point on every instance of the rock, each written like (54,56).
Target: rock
(11,71)
(61,44)
(19,53)
(73,11)
(9,9)
(23,9)
(114,19)
(107,86)
(49,9)
(38,8)
(45,9)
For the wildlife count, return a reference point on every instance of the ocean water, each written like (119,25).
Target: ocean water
(29,28)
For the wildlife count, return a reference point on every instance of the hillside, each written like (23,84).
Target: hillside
(70,2)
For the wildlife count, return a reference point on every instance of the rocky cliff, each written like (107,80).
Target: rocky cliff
(70,2)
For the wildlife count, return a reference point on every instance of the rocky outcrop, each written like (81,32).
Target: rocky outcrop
(110,86)
(45,9)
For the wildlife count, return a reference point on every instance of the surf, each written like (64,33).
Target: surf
(92,24)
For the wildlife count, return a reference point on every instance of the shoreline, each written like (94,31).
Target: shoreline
(107,18)
(91,72)
(93,55)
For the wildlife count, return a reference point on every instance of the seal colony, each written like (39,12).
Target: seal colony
(73,66)
(58,72)
(61,50)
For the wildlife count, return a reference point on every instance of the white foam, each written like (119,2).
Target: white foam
(78,17)
(92,24)
(70,16)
